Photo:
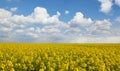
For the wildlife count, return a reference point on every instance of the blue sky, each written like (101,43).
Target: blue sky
(80,21)
(89,8)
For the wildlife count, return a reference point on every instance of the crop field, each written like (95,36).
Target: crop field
(59,57)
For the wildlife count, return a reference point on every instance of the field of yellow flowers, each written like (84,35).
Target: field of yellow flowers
(59,57)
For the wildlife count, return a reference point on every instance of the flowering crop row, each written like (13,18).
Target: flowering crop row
(59,57)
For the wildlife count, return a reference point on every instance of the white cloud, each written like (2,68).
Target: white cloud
(32,35)
(41,16)
(117,2)
(100,27)
(73,31)
(39,26)
(66,12)
(104,24)
(20,19)
(117,19)
(13,9)
(116,31)
(50,29)
(19,25)
(80,20)
(5,14)
(106,5)
(5,29)
(19,31)
(38,30)
(31,29)
(26,33)
(91,39)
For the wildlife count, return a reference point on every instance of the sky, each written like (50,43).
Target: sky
(60,21)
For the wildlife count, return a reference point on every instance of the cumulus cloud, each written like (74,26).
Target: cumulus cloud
(5,14)
(101,24)
(80,20)
(104,24)
(50,29)
(33,35)
(106,5)
(13,9)
(100,27)
(19,31)
(19,25)
(73,31)
(39,26)
(5,29)
(41,16)
(116,31)
(117,2)
(66,12)
(117,19)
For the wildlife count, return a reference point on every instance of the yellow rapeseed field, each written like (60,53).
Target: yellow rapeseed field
(59,57)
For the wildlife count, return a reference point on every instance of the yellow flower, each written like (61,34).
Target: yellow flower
(12,69)
(9,64)
(41,69)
